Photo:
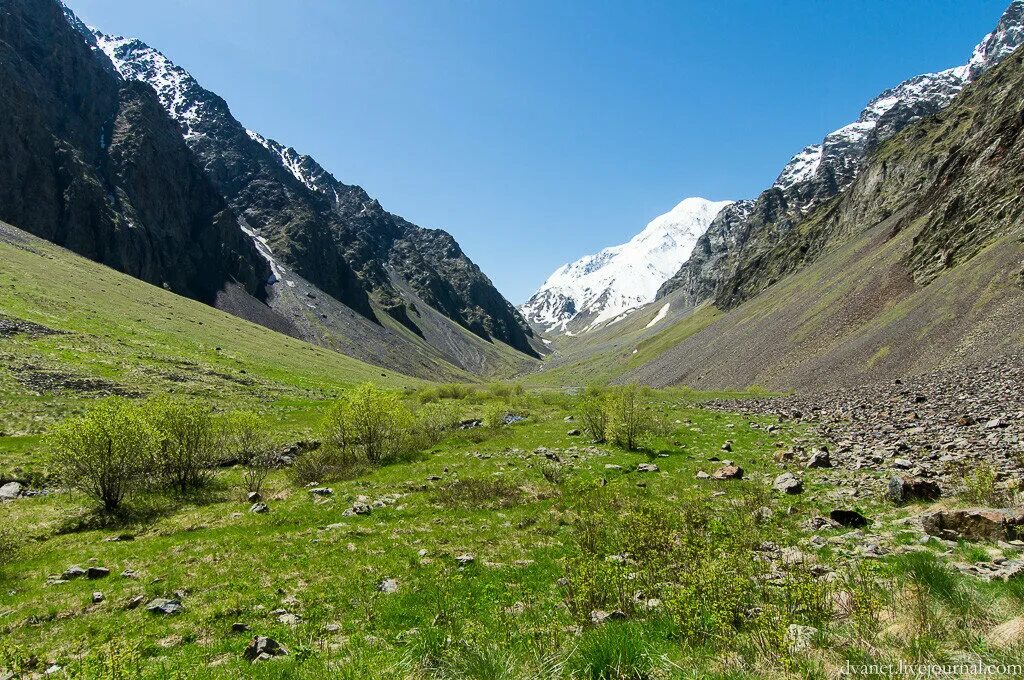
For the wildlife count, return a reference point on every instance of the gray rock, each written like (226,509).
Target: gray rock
(164,606)
(259,508)
(728,472)
(465,559)
(820,459)
(647,467)
(97,597)
(904,489)
(262,648)
(10,491)
(97,572)
(976,524)
(788,483)
(74,571)
(322,491)
(388,585)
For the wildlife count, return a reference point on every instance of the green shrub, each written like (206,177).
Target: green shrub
(495,414)
(246,439)
(592,411)
(189,446)
(108,454)
(433,422)
(367,424)
(629,418)
(981,487)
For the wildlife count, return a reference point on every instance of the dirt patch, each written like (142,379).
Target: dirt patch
(42,381)
(10,327)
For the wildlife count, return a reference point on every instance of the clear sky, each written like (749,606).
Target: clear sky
(537,131)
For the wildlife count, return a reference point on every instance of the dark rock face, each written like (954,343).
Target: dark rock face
(753,245)
(330,233)
(94,164)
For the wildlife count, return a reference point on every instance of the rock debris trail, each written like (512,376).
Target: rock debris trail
(941,426)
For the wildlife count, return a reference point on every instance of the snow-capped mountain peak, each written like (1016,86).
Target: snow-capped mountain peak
(602,288)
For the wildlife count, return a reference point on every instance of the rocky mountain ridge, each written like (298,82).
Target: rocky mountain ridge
(724,263)
(332,234)
(94,164)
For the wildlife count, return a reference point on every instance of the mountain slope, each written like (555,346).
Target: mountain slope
(601,288)
(724,264)
(918,265)
(94,163)
(332,234)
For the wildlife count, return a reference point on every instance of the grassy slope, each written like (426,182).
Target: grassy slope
(506,615)
(141,339)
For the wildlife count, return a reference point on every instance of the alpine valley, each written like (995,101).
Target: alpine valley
(254,425)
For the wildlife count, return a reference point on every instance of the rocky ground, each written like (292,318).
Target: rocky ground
(939,426)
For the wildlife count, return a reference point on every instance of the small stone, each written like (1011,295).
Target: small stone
(647,467)
(902,463)
(321,491)
(259,508)
(388,585)
(254,497)
(848,518)
(788,483)
(10,491)
(239,627)
(996,423)
(135,602)
(702,475)
(289,619)
(97,597)
(358,509)
(262,648)
(97,572)
(465,559)
(74,571)
(820,459)
(163,606)
(612,466)
(728,472)
(573,433)
(727,446)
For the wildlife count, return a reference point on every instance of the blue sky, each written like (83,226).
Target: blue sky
(537,131)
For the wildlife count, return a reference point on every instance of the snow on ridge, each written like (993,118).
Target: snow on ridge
(606,286)
(659,316)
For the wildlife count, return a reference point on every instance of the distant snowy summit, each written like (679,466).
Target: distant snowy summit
(602,288)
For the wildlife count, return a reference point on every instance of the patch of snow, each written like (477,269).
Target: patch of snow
(265,251)
(659,316)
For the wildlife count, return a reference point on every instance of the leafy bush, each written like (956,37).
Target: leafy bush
(451,391)
(981,487)
(108,453)
(494,414)
(592,411)
(432,423)
(367,424)
(189,446)
(247,440)
(629,417)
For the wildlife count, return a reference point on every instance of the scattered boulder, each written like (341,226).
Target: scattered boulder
(321,491)
(976,524)
(10,491)
(820,459)
(254,497)
(702,475)
(788,483)
(612,466)
(848,518)
(263,648)
(728,472)
(239,627)
(996,423)
(358,509)
(97,572)
(135,602)
(259,508)
(573,433)
(727,446)
(647,467)
(388,585)
(903,463)
(598,616)
(465,560)
(903,489)
(97,597)
(164,606)
(72,572)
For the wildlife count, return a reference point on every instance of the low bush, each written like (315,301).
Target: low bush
(246,439)
(107,454)
(189,445)
(474,494)
(495,413)
(629,418)
(592,412)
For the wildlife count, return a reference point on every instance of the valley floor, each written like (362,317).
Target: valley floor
(523,550)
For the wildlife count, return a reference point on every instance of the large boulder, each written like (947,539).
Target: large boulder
(903,489)
(10,491)
(263,648)
(728,472)
(788,483)
(976,524)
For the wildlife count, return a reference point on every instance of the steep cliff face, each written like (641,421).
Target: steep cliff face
(93,163)
(745,260)
(332,234)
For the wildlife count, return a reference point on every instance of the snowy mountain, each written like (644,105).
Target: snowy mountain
(603,288)
(725,263)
